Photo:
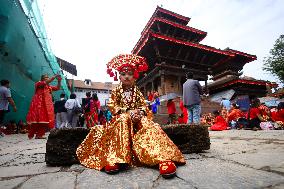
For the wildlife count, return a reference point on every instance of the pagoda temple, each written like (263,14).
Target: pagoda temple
(172,48)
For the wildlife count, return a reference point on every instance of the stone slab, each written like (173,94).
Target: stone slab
(12,183)
(32,169)
(214,173)
(58,180)
(138,177)
(259,150)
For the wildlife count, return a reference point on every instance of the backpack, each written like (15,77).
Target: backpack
(76,109)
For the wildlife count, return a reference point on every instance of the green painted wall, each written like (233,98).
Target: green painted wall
(23,57)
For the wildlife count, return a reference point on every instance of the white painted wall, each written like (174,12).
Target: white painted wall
(103,95)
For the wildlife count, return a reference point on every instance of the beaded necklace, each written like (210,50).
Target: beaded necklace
(128,96)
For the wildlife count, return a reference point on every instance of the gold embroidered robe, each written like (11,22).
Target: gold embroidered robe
(122,141)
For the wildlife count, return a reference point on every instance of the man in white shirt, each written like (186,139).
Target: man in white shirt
(71,105)
(5,99)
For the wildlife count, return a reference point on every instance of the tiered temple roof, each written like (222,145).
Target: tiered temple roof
(166,38)
(172,48)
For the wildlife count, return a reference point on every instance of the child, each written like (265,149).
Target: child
(234,115)
(220,123)
(278,116)
(254,115)
(184,111)
(131,138)
(171,111)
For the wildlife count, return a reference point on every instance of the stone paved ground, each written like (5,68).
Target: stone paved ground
(237,159)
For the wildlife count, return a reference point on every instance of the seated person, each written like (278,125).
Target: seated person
(278,116)
(254,115)
(234,114)
(220,123)
(264,111)
(131,138)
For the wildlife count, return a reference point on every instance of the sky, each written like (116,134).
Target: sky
(89,33)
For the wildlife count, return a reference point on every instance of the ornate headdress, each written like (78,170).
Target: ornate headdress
(124,61)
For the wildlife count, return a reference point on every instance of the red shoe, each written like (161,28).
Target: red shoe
(167,168)
(111,169)
(30,137)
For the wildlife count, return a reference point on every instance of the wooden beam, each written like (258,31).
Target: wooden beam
(186,61)
(211,59)
(149,75)
(178,53)
(175,30)
(169,51)
(163,89)
(196,56)
(203,59)
(189,37)
(158,55)
(167,32)
(159,28)
(178,69)
(183,35)
(187,55)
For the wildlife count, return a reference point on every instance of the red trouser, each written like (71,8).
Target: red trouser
(37,129)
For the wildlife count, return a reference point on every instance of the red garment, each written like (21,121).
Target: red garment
(151,97)
(264,110)
(278,115)
(180,120)
(184,111)
(91,119)
(37,129)
(171,107)
(102,120)
(220,124)
(253,112)
(41,109)
(92,116)
(96,105)
(235,114)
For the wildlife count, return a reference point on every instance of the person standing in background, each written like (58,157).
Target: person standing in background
(5,99)
(61,112)
(192,91)
(72,105)
(86,104)
(171,111)
(225,103)
(41,111)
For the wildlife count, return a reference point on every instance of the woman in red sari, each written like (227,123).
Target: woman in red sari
(41,111)
(92,116)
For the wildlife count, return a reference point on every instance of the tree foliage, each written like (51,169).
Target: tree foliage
(275,62)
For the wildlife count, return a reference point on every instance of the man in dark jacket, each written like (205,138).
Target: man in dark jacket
(61,112)
(192,91)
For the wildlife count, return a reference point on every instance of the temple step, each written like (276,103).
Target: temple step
(62,143)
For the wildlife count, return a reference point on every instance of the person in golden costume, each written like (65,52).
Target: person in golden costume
(131,138)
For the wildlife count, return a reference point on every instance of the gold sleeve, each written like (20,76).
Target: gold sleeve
(141,103)
(113,103)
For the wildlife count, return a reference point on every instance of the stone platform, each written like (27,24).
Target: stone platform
(236,159)
(62,143)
